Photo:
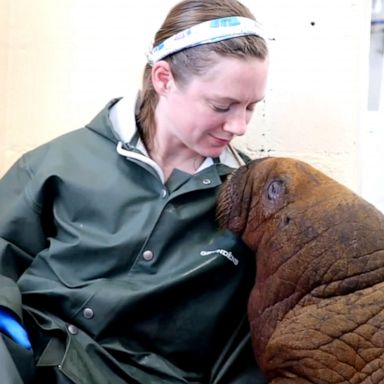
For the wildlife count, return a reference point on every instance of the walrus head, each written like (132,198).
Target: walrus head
(257,192)
(280,206)
(317,306)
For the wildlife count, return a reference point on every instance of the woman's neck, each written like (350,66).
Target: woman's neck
(170,158)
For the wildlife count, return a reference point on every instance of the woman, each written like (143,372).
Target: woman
(110,256)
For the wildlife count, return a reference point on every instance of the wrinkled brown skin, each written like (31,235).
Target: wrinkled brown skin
(317,308)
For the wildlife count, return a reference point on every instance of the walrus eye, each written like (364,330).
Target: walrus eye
(275,189)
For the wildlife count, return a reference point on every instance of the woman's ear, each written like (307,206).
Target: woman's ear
(161,77)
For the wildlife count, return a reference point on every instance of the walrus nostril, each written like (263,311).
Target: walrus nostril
(285,221)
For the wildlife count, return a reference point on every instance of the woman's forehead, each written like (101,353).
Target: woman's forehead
(233,79)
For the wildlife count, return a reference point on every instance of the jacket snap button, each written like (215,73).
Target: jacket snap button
(88,313)
(206,181)
(148,255)
(72,329)
(164,193)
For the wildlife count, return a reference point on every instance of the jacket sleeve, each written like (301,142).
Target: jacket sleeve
(21,232)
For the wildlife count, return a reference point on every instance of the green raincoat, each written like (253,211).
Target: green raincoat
(118,276)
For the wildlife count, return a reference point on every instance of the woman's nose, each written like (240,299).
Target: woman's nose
(237,124)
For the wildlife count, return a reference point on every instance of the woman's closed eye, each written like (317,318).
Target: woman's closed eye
(219,108)
(222,108)
(251,107)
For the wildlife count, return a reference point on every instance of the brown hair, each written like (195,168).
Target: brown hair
(195,60)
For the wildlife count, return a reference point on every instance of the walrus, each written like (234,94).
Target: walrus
(316,311)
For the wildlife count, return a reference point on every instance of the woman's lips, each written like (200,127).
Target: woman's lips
(221,141)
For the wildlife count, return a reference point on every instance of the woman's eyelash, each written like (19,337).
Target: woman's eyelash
(226,109)
(220,109)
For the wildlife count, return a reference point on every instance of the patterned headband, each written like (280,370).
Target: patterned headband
(209,31)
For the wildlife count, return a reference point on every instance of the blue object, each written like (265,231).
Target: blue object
(12,328)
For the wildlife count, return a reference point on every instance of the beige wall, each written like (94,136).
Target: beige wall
(62,60)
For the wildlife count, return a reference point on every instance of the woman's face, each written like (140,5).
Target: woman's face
(204,115)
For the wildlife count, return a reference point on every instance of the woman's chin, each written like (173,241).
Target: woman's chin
(213,152)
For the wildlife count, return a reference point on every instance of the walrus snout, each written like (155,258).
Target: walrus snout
(228,210)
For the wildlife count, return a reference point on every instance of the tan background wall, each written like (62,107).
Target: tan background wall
(62,60)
